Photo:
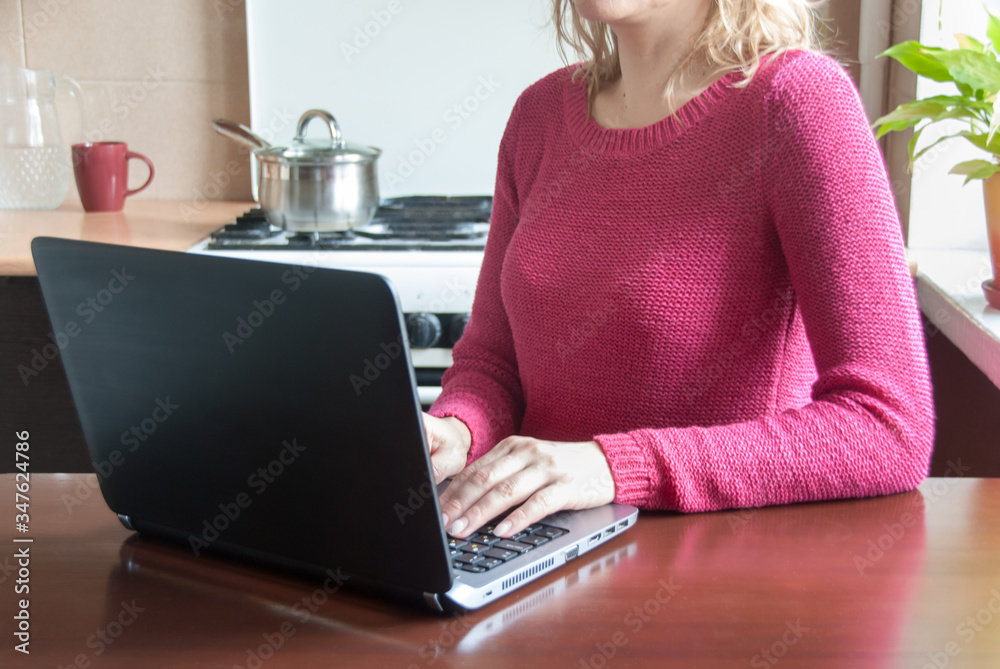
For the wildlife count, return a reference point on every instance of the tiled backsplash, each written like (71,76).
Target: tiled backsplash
(154,74)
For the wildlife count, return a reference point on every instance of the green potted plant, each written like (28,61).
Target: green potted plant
(975,72)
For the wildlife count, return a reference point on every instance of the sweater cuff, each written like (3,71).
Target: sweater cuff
(631,468)
(473,412)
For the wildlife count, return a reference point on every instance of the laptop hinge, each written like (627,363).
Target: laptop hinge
(432,601)
(127,522)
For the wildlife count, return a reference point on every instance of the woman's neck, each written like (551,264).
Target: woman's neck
(650,49)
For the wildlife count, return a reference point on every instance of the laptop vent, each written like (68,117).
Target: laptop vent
(520,576)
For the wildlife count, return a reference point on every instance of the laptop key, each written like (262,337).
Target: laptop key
(489,563)
(499,554)
(455,544)
(475,548)
(551,532)
(468,558)
(534,539)
(488,539)
(515,546)
(474,568)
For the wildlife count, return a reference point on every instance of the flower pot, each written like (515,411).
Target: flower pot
(991,197)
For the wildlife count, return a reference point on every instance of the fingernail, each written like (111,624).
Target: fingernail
(458,526)
(444,520)
(502,529)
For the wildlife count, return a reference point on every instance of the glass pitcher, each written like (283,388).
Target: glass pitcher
(34,165)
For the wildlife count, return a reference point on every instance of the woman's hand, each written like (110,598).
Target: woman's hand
(449,441)
(547,476)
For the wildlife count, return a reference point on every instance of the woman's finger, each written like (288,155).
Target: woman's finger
(507,492)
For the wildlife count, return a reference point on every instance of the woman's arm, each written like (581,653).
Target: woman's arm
(482,387)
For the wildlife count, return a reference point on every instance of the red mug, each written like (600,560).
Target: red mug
(101,170)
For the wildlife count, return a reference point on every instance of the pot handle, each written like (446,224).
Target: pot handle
(335,135)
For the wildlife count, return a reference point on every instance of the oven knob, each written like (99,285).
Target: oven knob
(458,323)
(423,329)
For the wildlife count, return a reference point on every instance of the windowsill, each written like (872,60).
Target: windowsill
(949,288)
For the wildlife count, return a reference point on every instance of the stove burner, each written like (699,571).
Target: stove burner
(252,224)
(404,223)
(314,239)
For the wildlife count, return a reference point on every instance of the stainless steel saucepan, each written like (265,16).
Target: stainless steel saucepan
(312,186)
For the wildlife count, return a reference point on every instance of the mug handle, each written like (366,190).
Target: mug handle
(132,154)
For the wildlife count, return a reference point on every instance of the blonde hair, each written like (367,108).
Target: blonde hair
(736,35)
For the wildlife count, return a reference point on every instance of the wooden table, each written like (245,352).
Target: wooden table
(911,580)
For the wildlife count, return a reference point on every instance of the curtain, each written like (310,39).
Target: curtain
(859,30)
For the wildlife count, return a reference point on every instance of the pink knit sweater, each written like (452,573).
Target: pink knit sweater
(720,299)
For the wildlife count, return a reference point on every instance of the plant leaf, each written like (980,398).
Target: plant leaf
(995,121)
(912,146)
(921,59)
(975,169)
(993,30)
(911,113)
(919,154)
(971,68)
(967,42)
(981,140)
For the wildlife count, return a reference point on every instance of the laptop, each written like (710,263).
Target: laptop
(269,412)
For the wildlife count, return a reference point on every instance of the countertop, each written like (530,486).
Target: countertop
(173,225)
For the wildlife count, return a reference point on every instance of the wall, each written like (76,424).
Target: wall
(154,74)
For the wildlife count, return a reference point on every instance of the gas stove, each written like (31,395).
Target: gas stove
(429,247)
(419,223)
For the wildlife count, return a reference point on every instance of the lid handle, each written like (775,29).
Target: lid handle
(335,135)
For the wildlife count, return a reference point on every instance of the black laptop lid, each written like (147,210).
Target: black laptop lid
(265,406)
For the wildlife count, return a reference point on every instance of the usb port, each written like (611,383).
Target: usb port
(594,539)
(610,530)
(622,525)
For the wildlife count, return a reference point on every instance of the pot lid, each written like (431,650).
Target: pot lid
(333,150)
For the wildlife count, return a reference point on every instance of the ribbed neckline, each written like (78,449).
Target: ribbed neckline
(637,140)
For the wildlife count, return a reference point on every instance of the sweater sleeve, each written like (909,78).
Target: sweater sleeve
(482,388)
(868,429)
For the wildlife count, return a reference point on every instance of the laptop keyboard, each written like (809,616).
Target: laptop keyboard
(483,550)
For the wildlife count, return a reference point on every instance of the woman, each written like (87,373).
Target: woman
(694,294)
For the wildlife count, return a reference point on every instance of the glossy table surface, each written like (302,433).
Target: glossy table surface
(910,580)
